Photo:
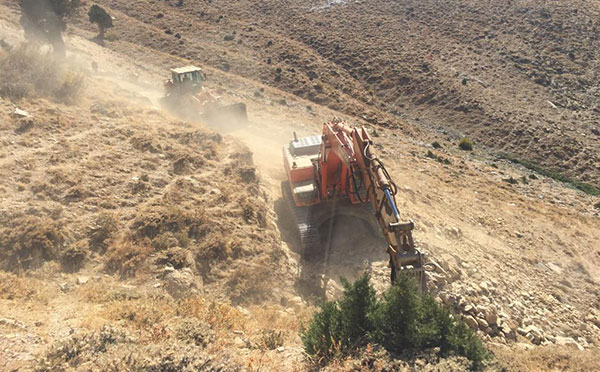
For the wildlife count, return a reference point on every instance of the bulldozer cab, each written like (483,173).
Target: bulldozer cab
(188,78)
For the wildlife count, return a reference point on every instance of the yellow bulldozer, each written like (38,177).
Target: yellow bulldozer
(186,96)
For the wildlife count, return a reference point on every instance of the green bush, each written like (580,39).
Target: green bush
(340,324)
(402,320)
(466,144)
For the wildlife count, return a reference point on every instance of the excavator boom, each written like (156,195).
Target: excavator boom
(348,168)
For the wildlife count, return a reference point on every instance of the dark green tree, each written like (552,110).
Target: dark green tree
(45,20)
(100,17)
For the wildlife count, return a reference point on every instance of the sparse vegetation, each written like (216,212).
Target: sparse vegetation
(26,70)
(125,257)
(436,145)
(438,158)
(585,187)
(270,340)
(104,228)
(402,320)
(466,144)
(28,241)
(510,180)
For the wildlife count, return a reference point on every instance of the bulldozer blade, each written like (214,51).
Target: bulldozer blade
(227,117)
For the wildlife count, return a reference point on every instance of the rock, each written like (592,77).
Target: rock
(239,342)
(484,286)
(471,322)
(243,310)
(554,268)
(181,283)
(482,323)
(523,346)
(469,309)
(508,332)
(533,333)
(296,301)
(594,319)
(82,279)
(168,269)
(280,349)
(568,341)
(491,317)
(20,113)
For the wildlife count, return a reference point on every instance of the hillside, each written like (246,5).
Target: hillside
(131,239)
(520,77)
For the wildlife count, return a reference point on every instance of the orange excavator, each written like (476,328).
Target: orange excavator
(339,173)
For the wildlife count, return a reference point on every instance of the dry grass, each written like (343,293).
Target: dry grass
(26,70)
(103,230)
(219,316)
(125,257)
(14,287)
(29,241)
(143,313)
(549,358)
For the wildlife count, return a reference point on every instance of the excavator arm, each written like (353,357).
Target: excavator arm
(364,169)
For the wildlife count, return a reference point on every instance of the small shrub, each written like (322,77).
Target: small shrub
(439,159)
(525,180)
(102,230)
(402,320)
(229,37)
(125,257)
(466,144)
(28,242)
(436,145)
(338,325)
(195,331)
(270,340)
(510,180)
(72,258)
(597,205)
(282,102)
(71,87)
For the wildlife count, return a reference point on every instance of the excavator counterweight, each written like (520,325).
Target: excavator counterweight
(337,173)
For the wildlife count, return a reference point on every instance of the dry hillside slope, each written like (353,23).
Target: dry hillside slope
(518,76)
(130,240)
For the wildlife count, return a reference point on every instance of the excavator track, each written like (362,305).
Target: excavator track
(308,230)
